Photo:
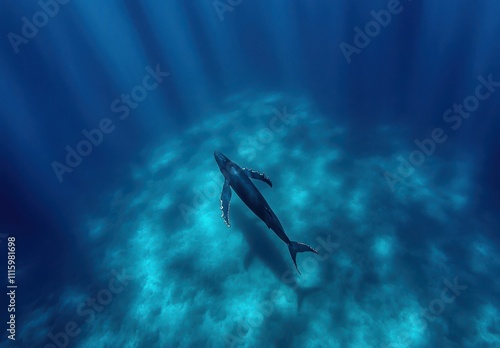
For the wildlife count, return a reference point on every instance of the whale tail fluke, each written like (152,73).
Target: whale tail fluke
(296,247)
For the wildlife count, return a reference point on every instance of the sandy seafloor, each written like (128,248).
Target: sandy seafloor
(384,259)
(128,249)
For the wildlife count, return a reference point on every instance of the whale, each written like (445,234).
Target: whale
(238,179)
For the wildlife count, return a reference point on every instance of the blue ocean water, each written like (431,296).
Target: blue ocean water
(377,122)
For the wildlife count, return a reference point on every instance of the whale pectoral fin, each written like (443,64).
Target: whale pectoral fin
(258,176)
(225,199)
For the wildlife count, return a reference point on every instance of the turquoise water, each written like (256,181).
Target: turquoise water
(375,121)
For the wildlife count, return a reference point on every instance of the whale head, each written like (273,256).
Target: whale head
(223,162)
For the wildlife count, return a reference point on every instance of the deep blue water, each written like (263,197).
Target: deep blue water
(377,122)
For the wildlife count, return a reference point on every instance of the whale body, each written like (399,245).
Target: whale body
(237,179)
